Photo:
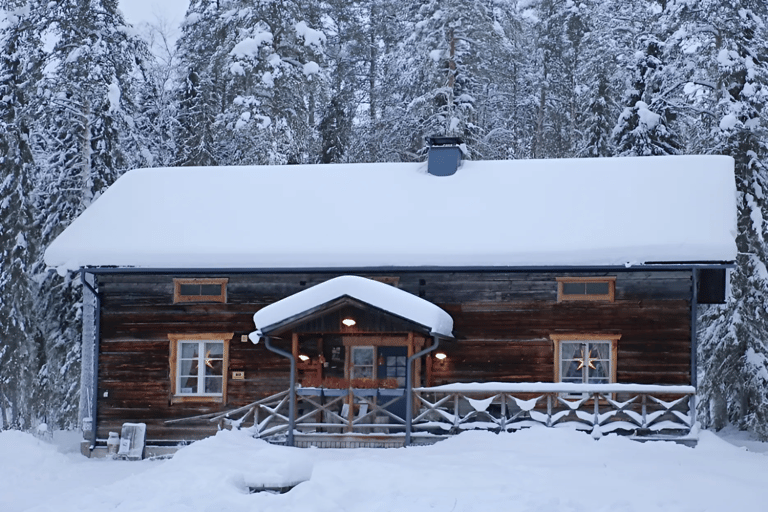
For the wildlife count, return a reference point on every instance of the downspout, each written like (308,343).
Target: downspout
(694,324)
(96,343)
(292,393)
(409,388)
(694,341)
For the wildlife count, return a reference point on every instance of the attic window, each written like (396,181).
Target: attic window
(586,288)
(200,290)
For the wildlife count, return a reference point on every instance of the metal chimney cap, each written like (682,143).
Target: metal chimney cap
(444,141)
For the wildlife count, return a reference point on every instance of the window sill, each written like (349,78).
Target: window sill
(189,399)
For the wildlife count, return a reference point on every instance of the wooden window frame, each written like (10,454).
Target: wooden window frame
(570,337)
(175,339)
(603,297)
(372,366)
(178,297)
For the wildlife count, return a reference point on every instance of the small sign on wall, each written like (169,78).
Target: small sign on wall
(238,375)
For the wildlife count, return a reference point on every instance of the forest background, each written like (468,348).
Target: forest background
(85,97)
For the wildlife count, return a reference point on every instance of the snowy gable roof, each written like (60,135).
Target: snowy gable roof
(611,211)
(382,296)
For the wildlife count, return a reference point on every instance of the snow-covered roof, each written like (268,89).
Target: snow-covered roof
(374,293)
(611,211)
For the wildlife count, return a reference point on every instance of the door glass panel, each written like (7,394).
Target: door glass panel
(362,363)
(362,372)
(362,356)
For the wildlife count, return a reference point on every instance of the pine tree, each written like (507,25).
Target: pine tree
(731,78)
(444,67)
(644,127)
(83,142)
(19,339)
(200,93)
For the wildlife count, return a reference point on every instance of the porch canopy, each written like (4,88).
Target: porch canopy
(300,306)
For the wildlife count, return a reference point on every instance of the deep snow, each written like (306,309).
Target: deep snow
(538,470)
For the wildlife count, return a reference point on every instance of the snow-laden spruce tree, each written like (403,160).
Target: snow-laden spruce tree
(443,67)
(730,88)
(598,81)
(200,95)
(251,74)
(644,126)
(273,75)
(82,143)
(20,54)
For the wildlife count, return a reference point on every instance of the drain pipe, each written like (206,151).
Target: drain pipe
(409,388)
(292,393)
(96,343)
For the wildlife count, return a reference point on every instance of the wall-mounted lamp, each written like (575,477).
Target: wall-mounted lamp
(349,322)
(304,357)
(440,356)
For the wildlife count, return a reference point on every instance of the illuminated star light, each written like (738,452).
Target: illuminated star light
(586,360)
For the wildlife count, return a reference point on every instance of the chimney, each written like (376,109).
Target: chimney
(444,156)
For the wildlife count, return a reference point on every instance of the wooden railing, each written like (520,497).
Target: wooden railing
(633,409)
(638,410)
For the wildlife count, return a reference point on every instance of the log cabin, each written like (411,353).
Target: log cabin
(392,304)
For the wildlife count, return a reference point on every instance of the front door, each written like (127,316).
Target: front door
(392,363)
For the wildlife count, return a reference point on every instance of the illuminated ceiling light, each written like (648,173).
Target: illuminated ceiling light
(440,356)
(348,322)
(304,357)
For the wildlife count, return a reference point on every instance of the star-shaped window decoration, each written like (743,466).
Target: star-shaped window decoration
(586,361)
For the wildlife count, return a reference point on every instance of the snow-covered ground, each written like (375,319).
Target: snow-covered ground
(538,470)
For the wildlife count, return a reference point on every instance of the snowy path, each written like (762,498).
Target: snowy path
(539,470)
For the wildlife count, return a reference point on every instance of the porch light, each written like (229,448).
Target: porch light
(440,356)
(304,357)
(349,322)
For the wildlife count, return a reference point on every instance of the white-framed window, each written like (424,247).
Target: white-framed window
(585,362)
(363,360)
(199,366)
(585,358)
(200,369)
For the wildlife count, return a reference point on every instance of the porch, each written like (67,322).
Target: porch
(358,417)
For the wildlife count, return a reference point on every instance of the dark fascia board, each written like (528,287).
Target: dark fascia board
(329,307)
(669,267)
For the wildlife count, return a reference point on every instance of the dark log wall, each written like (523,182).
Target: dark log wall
(503,321)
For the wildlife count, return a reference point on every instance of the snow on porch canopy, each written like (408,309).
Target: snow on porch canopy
(610,211)
(379,295)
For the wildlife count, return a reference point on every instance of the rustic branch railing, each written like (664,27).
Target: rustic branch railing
(634,409)
(638,410)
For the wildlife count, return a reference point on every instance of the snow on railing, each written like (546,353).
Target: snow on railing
(633,409)
(643,411)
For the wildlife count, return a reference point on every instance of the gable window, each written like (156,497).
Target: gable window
(198,366)
(585,358)
(586,288)
(200,290)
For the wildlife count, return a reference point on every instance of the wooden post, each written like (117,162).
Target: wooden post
(351,411)
(596,420)
(456,410)
(549,409)
(503,418)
